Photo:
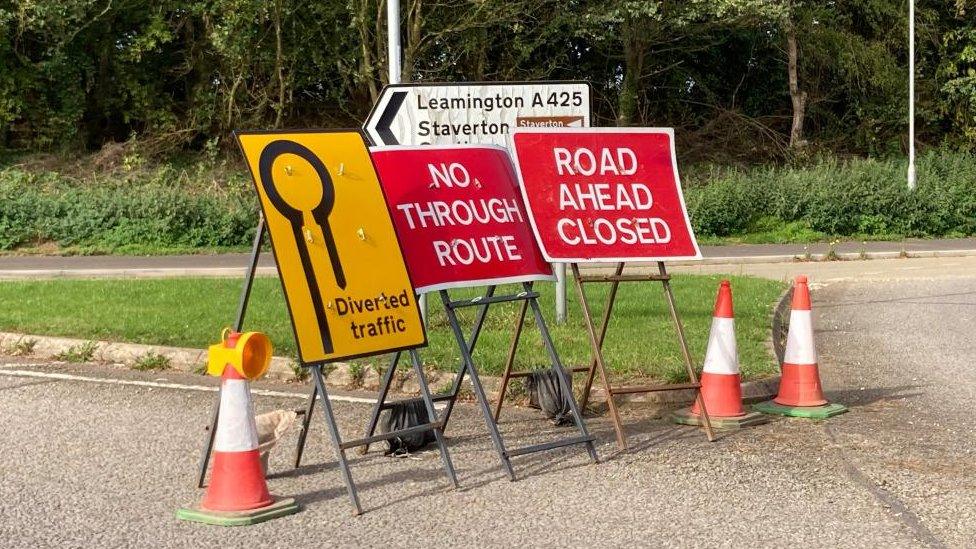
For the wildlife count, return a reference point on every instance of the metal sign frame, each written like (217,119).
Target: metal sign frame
(339,446)
(598,363)
(529,298)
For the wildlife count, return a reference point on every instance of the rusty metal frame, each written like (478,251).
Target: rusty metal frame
(598,364)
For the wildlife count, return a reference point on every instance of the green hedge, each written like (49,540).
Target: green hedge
(158,210)
(857,197)
(169,207)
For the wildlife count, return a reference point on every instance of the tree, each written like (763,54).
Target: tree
(653,37)
(798,97)
(740,79)
(957,71)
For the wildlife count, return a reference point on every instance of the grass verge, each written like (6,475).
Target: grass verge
(190,312)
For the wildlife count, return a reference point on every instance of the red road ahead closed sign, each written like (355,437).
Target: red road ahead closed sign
(459,216)
(604,194)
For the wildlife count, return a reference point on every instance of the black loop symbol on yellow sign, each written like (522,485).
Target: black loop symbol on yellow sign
(320,215)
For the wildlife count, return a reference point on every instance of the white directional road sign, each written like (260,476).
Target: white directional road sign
(481,113)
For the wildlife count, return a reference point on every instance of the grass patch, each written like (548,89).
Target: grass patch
(53,249)
(151,361)
(299,372)
(83,352)
(190,312)
(770,230)
(24,347)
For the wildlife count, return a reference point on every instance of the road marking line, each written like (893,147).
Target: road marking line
(160,385)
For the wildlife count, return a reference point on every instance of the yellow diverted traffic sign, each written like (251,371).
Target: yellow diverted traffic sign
(345,280)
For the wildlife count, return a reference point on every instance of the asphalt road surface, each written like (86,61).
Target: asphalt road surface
(88,464)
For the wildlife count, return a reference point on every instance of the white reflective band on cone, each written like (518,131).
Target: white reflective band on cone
(722,356)
(800,348)
(236,429)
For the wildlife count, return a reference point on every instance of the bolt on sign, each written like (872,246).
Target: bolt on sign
(604,194)
(474,113)
(346,284)
(459,215)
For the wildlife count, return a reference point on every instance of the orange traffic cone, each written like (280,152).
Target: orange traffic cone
(721,386)
(237,482)
(238,493)
(800,391)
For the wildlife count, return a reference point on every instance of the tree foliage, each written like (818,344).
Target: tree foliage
(178,74)
(956,71)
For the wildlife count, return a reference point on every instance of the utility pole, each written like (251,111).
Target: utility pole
(393,54)
(911,94)
(393,39)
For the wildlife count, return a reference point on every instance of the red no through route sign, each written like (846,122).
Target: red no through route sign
(459,216)
(604,194)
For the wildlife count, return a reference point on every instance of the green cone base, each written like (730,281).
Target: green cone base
(685,417)
(808,412)
(277,509)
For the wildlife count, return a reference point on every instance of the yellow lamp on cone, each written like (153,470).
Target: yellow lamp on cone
(250,355)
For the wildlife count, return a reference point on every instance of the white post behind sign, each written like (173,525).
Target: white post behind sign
(393,52)
(393,39)
(911,94)
(560,269)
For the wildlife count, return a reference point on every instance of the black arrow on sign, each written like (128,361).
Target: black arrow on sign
(389,114)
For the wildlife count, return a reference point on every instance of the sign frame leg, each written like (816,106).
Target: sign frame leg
(381,404)
(340,452)
(432,414)
(479,323)
(306,423)
(482,398)
(692,376)
(596,344)
(510,360)
(604,324)
(561,374)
